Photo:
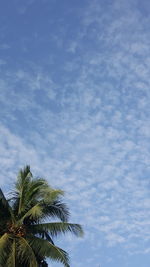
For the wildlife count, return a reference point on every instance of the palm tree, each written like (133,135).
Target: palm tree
(26,227)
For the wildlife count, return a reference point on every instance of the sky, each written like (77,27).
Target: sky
(75,106)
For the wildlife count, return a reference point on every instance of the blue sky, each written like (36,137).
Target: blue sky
(75,105)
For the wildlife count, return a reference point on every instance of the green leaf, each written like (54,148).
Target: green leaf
(45,249)
(34,213)
(50,195)
(57,228)
(11,258)
(25,253)
(5,248)
(57,209)
(22,184)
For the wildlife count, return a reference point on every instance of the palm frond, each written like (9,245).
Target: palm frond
(42,211)
(5,248)
(40,190)
(32,196)
(25,238)
(50,195)
(56,228)
(45,249)
(24,176)
(11,258)
(34,213)
(22,184)
(35,188)
(25,253)
(58,210)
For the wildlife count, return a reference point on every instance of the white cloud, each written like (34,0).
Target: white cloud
(90,134)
